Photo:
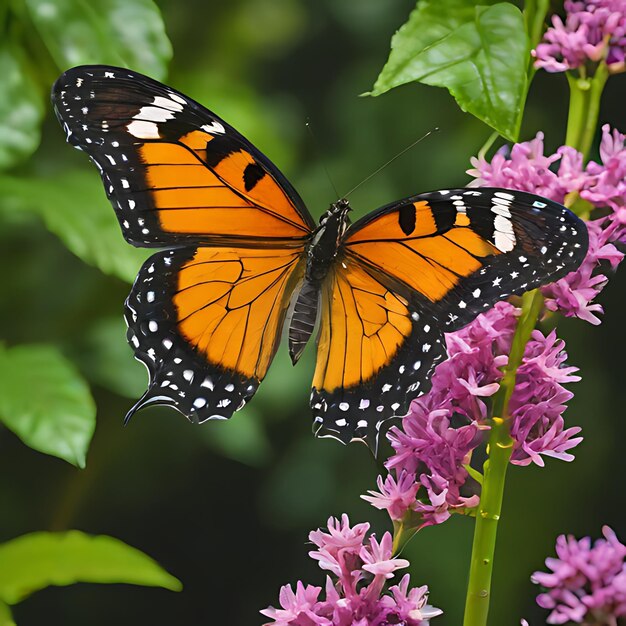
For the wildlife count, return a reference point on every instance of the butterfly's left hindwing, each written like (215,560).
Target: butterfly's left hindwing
(206,322)
(414,269)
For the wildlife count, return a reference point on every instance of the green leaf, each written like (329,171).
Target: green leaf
(479,53)
(74,207)
(6,618)
(114,32)
(45,402)
(21,109)
(37,560)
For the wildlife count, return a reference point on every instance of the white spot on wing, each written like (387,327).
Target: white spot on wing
(166,103)
(143,130)
(505,242)
(177,98)
(214,127)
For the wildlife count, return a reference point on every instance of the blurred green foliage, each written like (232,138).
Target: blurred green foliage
(228,506)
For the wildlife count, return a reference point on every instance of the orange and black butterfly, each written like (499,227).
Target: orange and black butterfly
(243,257)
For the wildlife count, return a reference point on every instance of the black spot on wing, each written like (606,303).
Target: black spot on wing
(252,175)
(219,148)
(444,216)
(407,218)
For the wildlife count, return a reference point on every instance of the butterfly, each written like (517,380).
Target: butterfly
(242,258)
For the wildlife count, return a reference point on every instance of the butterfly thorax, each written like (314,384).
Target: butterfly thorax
(324,245)
(321,254)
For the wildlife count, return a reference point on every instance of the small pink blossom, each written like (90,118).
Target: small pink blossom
(606,181)
(587,582)
(396,496)
(298,609)
(435,442)
(377,557)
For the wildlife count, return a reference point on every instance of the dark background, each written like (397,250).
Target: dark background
(227,507)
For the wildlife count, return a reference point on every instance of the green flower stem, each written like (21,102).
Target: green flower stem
(6,619)
(584,107)
(403,532)
(579,89)
(535,16)
(499,453)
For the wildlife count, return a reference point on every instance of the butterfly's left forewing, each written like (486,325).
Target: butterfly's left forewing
(445,257)
(174,171)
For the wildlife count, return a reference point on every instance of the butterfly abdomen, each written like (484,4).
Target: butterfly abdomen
(303,319)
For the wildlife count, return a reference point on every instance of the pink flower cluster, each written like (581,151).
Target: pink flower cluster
(428,473)
(355,595)
(587,583)
(594,30)
(556,176)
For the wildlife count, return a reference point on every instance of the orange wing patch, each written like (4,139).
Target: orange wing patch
(189,198)
(231,304)
(415,220)
(412,249)
(363,326)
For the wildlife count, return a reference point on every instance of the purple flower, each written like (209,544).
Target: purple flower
(298,609)
(339,548)
(606,184)
(378,561)
(377,557)
(593,31)
(427,446)
(409,606)
(587,583)
(355,591)
(538,401)
(526,168)
(396,496)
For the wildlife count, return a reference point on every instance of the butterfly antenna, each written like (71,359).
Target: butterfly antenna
(321,157)
(384,165)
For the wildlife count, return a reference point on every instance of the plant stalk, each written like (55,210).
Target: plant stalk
(499,451)
(584,108)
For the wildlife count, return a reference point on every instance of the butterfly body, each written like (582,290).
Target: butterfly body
(242,258)
(321,254)
(325,241)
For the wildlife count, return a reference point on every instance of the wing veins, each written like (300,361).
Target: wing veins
(432,262)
